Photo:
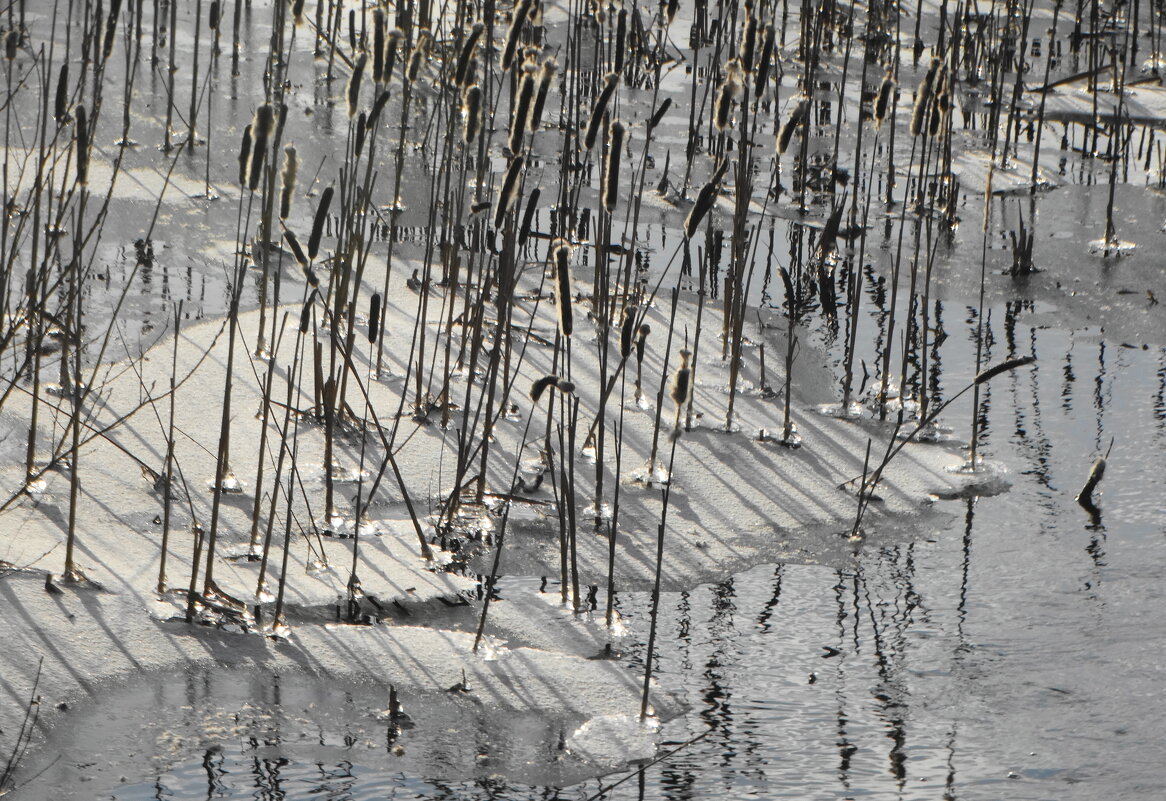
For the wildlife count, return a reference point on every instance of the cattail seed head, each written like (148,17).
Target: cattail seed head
(728,91)
(599,110)
(621,36)
(627,332)
(923,96)
(359,132)
(60,107)
(318,223)
(611,174)
(298,11)
(378,45)
(660,112)
(261,128)
(670,10)
(111,28)
(546,78)
(748,44)
(509,192)
(288,178)
(11,44)
(377,107)
(472,111)
(392,42)
(539,387)
(987,375)
(215,15)
(82,130)
(988,198)
(765,62)
(374,318)
(353,92)
(799,115)
(244,155)
(521,112)
(565,386)
(467,54)
(642,341)
(514,33)
(531,208)
(681,389)
(294,244)
(564,292)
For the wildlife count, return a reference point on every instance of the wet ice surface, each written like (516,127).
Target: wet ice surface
(1013,653)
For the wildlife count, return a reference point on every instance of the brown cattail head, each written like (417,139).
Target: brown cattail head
(298,11)
(378,45)
(748,44)
(539,387)
(923,96)
(642,341)
(374,318)
(988,198)
(377,107)
(546,78)
(82,129)
(467,54)
(306,312)
(294,244)
(990,373)
(111,28)
(215,15)
(670,10)
(244,155)
(621,37)
(627,332)
(392,42)
(599,110)
(660,112)
(472,111)
(509,192)
(611,174)
(417,58)
(353,92)
(515,33)
(288,178)
(261,128)
(728,91)
(883,100)
(563,287)
(800,114)
(11,44)
(704,200)
(521,112)
(61,107)
(765,62)
(318,223)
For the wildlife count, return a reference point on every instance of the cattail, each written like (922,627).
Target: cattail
(478,208)
(298,11)
(377,107)
(378,45)
(546,78)
(294,243)
(621,35)
(290,165)
(11,44)
(565,386)
(214,17)
(360,130)
(509,191)
(728,91)
(765,62)
(660,112)
(704,201)
(82,129)
(60,108)
(987,375)
(540,386)
(748,44)
(318,223)
(801,111)
(306,313)
(642,342)
(923,99)
(244,155)
(353,92)
(611,184)
(563,288)
(391,43)
(1096,473)
(883,101)
(670,10)
(935,120)
(511,46)
(531,208)
(467,54)
(415,59)
(598,111)
(627,332)
(521,112)
(472,111)
(261,129)
(374,317)
(681,389)
(110,28)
